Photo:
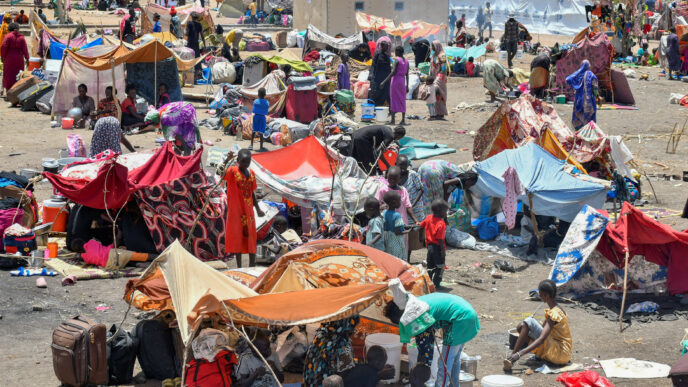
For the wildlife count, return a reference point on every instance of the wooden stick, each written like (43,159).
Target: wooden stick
(534,220)
(625,288)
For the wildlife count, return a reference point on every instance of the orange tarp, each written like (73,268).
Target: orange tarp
(413,29)
(153,51)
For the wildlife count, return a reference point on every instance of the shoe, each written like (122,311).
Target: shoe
(442,289)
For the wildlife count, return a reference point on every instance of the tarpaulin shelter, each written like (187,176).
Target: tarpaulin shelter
(303,173)
(599,52)
(555,192)
(168,188)
(162,37)
(521,121)
(232,8)
(194,290)
(183,13)
(317,39)
(591,259)
(275,93)
(287,57)
(57,47)
(41,36)
(590,143)
(413,29)
(100,66)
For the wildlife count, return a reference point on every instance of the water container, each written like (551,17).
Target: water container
(501,381)
(368,109)
(381,113)
(392,345)
(34,63)
(502,55)
(52,213)
(67,122)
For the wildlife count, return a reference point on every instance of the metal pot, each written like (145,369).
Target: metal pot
(466,379)
(513,337)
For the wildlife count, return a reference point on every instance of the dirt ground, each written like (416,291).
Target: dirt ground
(28,314)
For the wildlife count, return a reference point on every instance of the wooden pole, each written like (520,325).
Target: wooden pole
(155,75)
(114,88)
(625,289)
(534,220)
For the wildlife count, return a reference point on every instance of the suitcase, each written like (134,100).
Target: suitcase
(302,100)
(253,73)
(79,352)
(21,85)
(257,46)
(281,39)
(156,352)
(44,104)
(29,96)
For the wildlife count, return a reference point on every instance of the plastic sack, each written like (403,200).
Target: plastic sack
(292,38)
(361,90)
(76,146)
(208,343)
(424,68)
(344,96)
(488,228)
(643,307)
(460,219)
(224,72)
(457,238)
(414,81)
(584,379)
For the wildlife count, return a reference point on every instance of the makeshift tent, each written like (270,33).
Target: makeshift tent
(555,192)
(590,143)
(461,53)
(521,121)
(275,92)
(580,268)
(317,39)
(195,290)
(281,59)
(167,188)
(232,9)
(183,13)
(42,36)
(162,37)
(303,173)
(413,29)
(98,66)
(599,52)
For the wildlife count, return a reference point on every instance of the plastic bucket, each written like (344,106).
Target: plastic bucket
(52,213)
(502,55)
(67,122)
(391,344)
(367,109)
(469,364)
(501,381)
(381,113)
(34,63)
(519,54)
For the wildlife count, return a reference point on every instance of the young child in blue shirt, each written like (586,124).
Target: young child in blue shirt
(260,111)
(373,232)
(393,227)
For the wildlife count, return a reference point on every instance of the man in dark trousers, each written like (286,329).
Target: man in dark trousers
(194,35)
(511,38)
(421,50)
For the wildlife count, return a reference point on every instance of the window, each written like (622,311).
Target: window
(399,6)
(359,6)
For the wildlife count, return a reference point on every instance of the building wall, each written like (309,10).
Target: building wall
(339,16)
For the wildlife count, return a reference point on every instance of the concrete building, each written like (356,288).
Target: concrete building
(339,16)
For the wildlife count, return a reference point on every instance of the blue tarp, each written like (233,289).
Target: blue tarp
(555,192)
(57,48)
(418,150)
(458,52)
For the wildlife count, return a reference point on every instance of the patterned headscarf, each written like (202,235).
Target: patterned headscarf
(437,49)
(387,40)
(330,352)
(107,134)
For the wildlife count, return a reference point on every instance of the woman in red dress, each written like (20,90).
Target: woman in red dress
(240,233)
(14,55)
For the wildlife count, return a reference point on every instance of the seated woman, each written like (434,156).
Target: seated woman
(107,107)
(108,135)
(85,103)
(130,117)
(550,341)
(164,98)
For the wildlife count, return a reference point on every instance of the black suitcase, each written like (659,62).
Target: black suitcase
(156,353)
(28,97)
(43,104)
(121,355)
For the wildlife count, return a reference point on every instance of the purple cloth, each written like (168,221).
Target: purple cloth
(179,119)
(7,218)
(344,77)
(673,53)
(397,87)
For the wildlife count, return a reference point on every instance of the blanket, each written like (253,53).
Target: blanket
(418,150)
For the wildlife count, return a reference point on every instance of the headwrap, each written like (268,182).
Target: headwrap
(576,79)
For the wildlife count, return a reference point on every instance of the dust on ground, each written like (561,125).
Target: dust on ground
(28,314)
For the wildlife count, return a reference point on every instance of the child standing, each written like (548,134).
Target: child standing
(373,232)
(260,111)
(240,230)
(393,227)
(343,77)
(430,95)
(405,208)
(435,227)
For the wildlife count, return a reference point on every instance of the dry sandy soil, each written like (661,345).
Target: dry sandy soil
(25,334)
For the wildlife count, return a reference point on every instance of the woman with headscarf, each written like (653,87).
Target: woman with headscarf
(14,55)
(495,78)
(107,134)
(440,177)
(673,53)
(539,75)
(439,70)
(5,27)
(379,71)
(584,82)
(331,351)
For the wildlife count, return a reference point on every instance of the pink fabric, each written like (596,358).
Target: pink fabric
(405,204)
(514,189)
(96,253)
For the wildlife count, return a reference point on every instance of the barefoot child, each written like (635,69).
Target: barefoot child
(373,232)
(405,208)
(435,227)
(260,111)
(430,95)
(550,341)
(393,229)
(240,230)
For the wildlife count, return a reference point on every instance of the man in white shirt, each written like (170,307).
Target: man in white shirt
(488,18)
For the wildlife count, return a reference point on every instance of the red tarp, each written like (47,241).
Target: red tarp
(119,183)
(307,157)
(638,234)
